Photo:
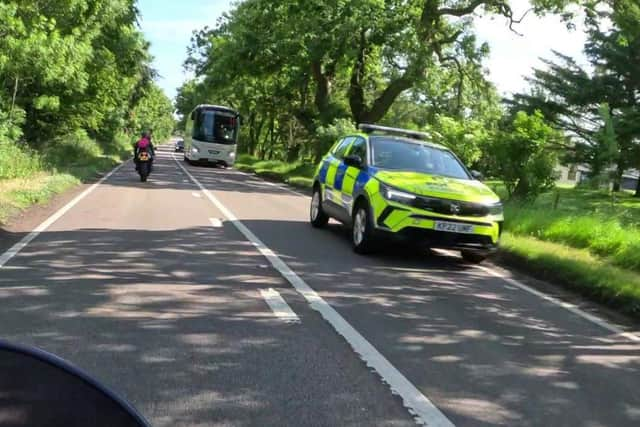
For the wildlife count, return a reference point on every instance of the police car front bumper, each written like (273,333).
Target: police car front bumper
(447,232)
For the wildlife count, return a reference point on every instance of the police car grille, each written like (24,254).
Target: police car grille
(450,207)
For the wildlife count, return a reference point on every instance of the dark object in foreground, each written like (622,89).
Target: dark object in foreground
(179,147)
(40,389)
(144,164)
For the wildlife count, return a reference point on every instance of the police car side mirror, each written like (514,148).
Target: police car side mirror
(477,175)
(353,160)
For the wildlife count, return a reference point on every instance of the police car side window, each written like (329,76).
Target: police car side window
(342,148)
(359,148)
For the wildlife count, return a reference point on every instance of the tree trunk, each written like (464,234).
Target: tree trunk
(356,91)
(521,191)
(617,179)
(13,98)
(323,89)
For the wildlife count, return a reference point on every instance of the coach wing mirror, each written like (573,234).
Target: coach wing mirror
(353,160)
(477,175)
(193,115)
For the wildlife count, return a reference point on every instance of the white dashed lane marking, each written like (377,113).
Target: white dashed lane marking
(279,306)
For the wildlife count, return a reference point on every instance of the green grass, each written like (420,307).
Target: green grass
(20,193)
(583,219)
(578,269)
(28,177)
(298,174)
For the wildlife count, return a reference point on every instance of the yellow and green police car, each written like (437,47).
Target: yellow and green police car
(387,182)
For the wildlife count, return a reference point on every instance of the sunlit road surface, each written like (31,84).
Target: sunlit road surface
(206,299)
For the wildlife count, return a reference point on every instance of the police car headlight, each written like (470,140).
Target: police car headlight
(496,209)
(394,195)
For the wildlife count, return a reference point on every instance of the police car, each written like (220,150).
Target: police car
(387,182)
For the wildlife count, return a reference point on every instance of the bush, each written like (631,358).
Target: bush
(524,158)
(246,159)
(18,162)
(71,150)
(328,135)
(121,146)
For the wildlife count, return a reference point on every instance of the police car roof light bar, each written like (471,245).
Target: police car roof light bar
(369,128)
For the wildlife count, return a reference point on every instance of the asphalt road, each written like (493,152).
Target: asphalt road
(156,290)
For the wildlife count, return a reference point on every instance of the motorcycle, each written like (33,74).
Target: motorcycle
(144,165)
(40,389)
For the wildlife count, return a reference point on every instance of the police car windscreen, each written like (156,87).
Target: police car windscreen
(214,126)
(396,154)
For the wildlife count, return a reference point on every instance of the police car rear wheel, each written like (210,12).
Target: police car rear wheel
(362,231)
(318,216)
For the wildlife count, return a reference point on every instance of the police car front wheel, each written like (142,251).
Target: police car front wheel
(362,231)
(318,216)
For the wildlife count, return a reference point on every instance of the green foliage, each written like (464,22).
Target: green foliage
(467,138)
(585,273)
(75,65)
(585,219)
(525,156)
(329,135)
(297,69)
(154,111)
(299,174)
(596,106)
(17,162)
(71,149)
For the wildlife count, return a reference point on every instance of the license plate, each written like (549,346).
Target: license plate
(454,227)
(213,152)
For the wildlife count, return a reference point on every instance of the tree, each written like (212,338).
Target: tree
(353,57)
(73,67)
(573,97)
(525,155)
(293,68)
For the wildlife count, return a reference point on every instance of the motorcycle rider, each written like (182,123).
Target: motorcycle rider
(144,143)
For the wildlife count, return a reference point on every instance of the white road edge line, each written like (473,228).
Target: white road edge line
(422,409)
(279,306)
(196,195)
(566,305)
(215,222)
(15,249)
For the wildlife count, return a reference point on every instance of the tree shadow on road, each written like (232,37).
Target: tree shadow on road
(486,351)
(173,320)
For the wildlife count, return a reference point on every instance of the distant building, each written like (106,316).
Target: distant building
(630,180)
(571,174)
(575,174)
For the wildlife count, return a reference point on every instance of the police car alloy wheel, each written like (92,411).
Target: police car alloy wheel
(362,230)
(317,215)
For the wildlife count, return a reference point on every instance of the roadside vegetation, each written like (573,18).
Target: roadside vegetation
(76,88)
(303,78)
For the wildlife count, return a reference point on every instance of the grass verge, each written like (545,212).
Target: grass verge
(577,269)
(297,174)
(606,225)
(18,194)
